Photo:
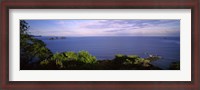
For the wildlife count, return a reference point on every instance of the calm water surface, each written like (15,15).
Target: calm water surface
(108,47)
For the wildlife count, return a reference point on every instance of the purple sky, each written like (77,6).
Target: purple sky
(104,27)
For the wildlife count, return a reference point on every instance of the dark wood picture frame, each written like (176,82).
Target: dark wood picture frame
(99,4)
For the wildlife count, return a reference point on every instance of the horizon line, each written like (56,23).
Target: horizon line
(105,36)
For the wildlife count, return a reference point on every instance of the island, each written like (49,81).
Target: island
(55,38)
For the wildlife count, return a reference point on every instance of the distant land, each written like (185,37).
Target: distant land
(36,35)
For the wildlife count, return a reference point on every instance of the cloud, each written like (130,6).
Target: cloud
(118,30)
(113,28)
(134,27)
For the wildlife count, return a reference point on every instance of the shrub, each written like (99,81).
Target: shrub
(59,63)
(133,56)
(139,61)
(120,58)
(85,57)
(59,56)
(146,63)
(128,62)
(44,62)
(71,55)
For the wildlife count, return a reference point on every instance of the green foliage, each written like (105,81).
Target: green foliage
(133,56)
(59,63)
(128,62)
(59,57)
(71,55)
(119,56)
(24,27)
(83,60)
(132,62)
(72,60)
(38,49)
(146,63)
(86,57)
(139,61)
(31,48)
(44,62)
(154,57)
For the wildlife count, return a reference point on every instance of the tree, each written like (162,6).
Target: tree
(31,49)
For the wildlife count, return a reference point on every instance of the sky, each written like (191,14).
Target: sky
(80,28)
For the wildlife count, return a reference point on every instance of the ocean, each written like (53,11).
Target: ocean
(107,47)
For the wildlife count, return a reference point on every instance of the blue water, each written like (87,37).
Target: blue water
(107,47)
